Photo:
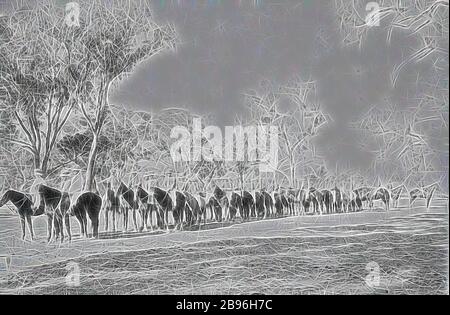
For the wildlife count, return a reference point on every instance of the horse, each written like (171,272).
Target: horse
(248,205)
(292,200)
(346,202)
(216,209)
(179,209)
(383,195)
(148,206)
(303,201)
(201,198)
(25,208)
(260,205)
(268,204)
(365,194)
(165,203)
(424,193)
(395,194)
(129,197)
(337,199)
(111,202)
(145,207)
(193,206)
(327,200)
(355,201)
(236,205)
(223,201)
(317,200)
(278,203)
(57,204)
(88,204)
(284,201)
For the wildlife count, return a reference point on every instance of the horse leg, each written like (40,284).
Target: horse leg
(212,213)
(106,219)
(143,217)
(55,229)
(199,219)
(181,220)
(159,216)
(85,223)
(59,222)
(56,225)
(114,210)
(147,213)
(134,220)
(219,214)
(166,219)
(150,217)
(94,223)
(30,226)
(80,223)
(67,222)
(77,216)
(125,219)
(177,220)
(22,225)
(49,227)
(155,210)
(226,213)
(185,218)
(144,224)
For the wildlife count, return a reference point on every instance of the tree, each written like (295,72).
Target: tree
(35,81)
(116,37)
(402,144)
(298,123)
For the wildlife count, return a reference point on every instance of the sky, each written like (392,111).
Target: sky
(229,47)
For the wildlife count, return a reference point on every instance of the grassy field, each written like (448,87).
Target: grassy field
(296,255)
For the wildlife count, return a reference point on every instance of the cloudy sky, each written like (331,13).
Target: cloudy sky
(228,47)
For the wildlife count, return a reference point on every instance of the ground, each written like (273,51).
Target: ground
(297,255)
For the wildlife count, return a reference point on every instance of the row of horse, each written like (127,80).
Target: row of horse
(177,209)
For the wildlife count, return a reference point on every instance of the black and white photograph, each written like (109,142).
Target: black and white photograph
(224,152)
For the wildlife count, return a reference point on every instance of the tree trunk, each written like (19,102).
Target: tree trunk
(90,172)
(40,173)
(40,168)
